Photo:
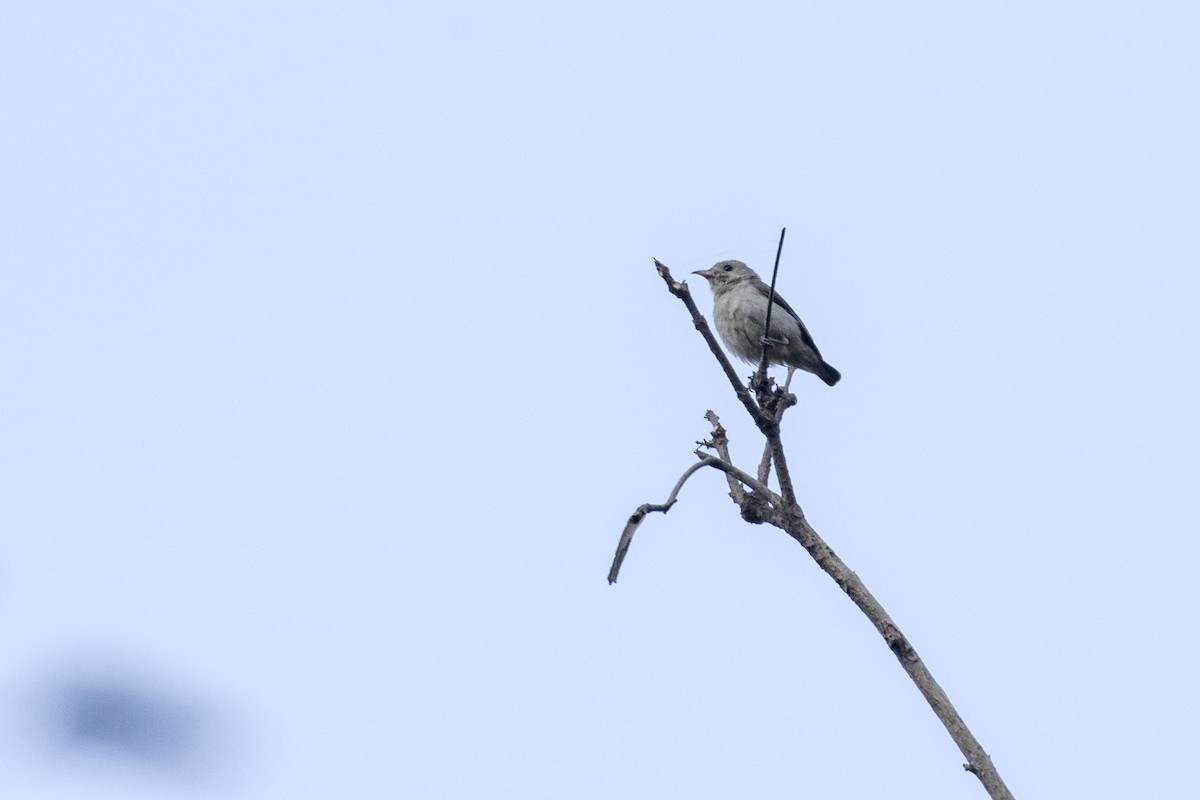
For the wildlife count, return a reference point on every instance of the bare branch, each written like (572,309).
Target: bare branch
(764,466)
(766,408)
(681,291)
(978,761)
(729,469)
(720,443)
(781,468)
(635,519)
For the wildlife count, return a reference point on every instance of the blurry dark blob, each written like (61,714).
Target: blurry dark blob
(129,720)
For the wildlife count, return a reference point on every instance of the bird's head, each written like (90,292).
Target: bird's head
(724,274)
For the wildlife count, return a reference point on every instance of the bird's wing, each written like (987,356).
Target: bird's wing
(779,301)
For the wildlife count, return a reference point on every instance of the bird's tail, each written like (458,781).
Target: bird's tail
(828,374)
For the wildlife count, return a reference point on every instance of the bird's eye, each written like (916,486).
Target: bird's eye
(729,267)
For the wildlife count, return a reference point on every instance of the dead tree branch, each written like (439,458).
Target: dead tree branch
(720,443)
(766,405)
(680,290)
(635,519)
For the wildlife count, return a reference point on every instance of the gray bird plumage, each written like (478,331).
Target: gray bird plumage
(740,313)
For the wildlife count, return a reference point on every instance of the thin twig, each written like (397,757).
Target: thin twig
(710,460)
(764,466)
(635,519)
(782,473)
(761,373)
(720,443)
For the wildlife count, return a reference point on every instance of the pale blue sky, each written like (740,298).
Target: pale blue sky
(335,360)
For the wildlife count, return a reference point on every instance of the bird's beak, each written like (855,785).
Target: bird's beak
(704,273)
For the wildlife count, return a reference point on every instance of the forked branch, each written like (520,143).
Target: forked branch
(766,407)
(639,514)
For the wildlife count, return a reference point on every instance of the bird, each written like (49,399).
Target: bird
(740,312)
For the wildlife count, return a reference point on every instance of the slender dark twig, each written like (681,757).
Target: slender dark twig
(761,374)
